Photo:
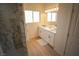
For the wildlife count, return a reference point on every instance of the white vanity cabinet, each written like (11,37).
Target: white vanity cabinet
(42,33)
(47,35)
(52,35)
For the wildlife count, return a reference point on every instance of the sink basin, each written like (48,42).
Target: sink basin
(51,29)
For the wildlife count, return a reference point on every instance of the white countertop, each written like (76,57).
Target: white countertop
(52,29)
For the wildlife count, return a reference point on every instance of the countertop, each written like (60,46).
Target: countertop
(52,29)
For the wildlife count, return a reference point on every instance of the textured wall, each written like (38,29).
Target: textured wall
(12,35)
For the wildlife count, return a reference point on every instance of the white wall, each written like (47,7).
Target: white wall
(33,6)
(50,6)
(63,20)
(32,30)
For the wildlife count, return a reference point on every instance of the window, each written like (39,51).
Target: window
(31,16)
(51,16)
(28,16)
(36,16)
(54,16)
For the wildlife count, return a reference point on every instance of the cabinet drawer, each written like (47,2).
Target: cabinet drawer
(52,39)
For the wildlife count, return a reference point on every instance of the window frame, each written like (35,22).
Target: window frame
(51,16)
(32,16)
(38,16)
(26,16)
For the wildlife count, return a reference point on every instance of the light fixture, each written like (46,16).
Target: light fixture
(50,10)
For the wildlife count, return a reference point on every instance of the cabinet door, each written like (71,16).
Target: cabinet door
(40,32)
(47,36)
(52,39)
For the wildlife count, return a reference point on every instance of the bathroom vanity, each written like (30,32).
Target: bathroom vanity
(47,34)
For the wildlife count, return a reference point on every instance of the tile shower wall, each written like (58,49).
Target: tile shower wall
(12,35)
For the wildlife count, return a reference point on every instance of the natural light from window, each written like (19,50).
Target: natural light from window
(51,16)
(31,16)
(36,16)
(28,17)
(54,16)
